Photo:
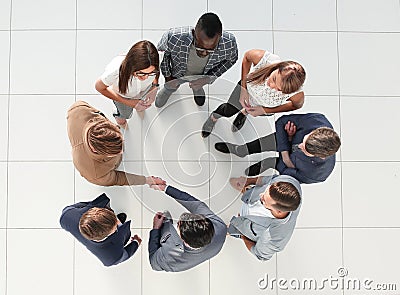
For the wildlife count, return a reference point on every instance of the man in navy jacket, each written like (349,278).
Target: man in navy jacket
(306,144)
(96,226)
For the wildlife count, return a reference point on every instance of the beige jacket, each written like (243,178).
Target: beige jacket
(97,169)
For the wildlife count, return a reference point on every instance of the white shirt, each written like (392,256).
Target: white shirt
(255,209)
(262,94)
(110,77)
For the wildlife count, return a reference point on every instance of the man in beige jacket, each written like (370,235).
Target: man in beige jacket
(97,146)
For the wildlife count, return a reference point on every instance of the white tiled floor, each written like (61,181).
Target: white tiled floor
(51,53)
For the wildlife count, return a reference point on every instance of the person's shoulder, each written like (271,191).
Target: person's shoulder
(319,117)
(179,32)
(228,37)
(287,178)
(80,107)
(71,216)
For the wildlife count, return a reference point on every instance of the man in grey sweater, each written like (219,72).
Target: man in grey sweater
(270,208)
(201,234)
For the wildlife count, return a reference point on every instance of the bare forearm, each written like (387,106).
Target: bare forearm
(287,107)
(114,96)
(246,65)
(286,159)
(108,92)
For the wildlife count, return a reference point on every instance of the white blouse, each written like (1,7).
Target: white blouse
(262,94)
(110,77)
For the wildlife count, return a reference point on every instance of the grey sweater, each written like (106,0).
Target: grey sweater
(166,249)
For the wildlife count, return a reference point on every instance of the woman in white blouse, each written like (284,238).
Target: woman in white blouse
(131,80)
(268,86)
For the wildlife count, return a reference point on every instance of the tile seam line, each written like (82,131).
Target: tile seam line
(340,130)
(74,170)
(229,30)
(190,161)
(149,228)
(211,94)
(8,148)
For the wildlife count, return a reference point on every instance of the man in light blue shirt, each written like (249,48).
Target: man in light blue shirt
(268,215)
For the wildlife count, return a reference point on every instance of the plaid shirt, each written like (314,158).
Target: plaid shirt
(176,44)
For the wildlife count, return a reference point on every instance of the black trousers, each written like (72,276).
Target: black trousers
(231,107)
(263,144)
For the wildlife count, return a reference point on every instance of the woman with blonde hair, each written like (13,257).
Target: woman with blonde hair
(131,80)
(268,86)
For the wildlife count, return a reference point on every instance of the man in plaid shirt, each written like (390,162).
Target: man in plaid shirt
(197,56)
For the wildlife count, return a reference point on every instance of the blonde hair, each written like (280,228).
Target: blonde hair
(293,75)
(323,142)
(105,138)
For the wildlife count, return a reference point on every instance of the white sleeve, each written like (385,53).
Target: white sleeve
(111,73)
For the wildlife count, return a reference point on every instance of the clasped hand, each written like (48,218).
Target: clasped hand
(148,100)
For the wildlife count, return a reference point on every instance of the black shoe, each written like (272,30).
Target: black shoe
(208,127)
(199,96)
(239,122)
(228,148)
(253,170)
(122,217)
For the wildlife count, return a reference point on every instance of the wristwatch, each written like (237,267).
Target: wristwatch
(155,84)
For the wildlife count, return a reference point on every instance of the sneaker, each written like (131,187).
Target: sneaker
(199,96)
(122,217)
(228,148)
(238,122)
(162,97)
(208,127)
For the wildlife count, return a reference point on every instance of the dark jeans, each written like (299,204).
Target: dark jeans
(231,107)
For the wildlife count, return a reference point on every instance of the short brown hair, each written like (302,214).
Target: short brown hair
(142,55)
(323,142)
(97,223)
(286,196)
(293,75)
(105,138)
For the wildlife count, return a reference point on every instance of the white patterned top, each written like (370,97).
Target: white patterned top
(262,94)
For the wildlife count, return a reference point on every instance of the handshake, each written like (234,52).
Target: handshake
(156,183)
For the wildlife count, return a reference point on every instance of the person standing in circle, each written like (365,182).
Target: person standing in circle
(97,148)
(196,55)
(131,80)
(271,86)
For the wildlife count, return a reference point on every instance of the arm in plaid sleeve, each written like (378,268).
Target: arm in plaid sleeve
(166,62)
(226,64)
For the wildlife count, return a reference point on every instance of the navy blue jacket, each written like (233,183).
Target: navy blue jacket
(112,250)
(308,169)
